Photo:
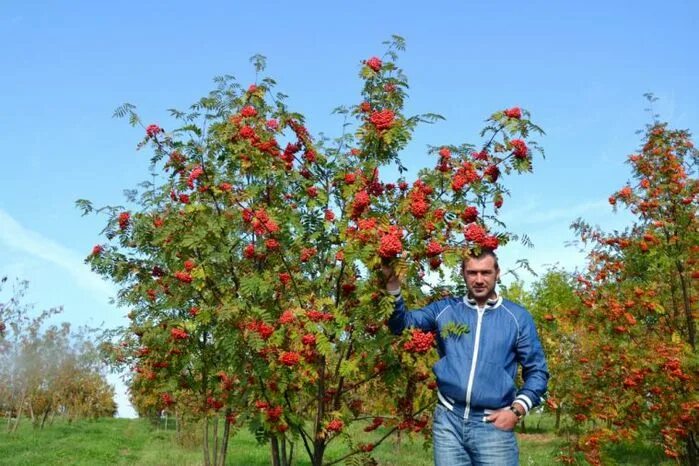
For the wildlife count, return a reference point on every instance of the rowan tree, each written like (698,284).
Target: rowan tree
(639,371)
(252,264)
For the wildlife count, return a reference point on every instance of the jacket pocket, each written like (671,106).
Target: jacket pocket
(451,376)
(493,387)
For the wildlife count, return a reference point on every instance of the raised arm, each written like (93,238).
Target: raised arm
(402,318)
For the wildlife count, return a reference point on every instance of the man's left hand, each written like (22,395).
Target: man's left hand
(503,419)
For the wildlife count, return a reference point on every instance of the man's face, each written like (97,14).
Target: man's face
(481,275)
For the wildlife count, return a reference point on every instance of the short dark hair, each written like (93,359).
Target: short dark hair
(480,254)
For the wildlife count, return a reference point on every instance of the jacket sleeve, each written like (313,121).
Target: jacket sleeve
(424,319)
(530,355)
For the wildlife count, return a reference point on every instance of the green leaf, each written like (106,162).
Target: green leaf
(84,205)
(452,329)
(323,346)
(189,128)
(349,368)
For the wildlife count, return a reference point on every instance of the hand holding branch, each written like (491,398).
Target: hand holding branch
(391,278)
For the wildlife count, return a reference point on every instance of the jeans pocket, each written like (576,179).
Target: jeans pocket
(495,446)
(439,410)
(507,431)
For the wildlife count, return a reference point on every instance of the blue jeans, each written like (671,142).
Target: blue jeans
(466,442)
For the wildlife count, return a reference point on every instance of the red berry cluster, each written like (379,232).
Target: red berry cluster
(335,425)
(420,342)
(289,358)
(375,424)
(179,334)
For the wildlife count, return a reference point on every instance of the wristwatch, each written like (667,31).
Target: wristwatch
(517,412)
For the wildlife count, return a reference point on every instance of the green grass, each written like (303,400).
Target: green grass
(105,441)
(137,442)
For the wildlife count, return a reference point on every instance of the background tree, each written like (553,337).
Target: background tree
(555,306)
(48,369)
(639,366)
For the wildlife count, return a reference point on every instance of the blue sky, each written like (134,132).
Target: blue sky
(580,68)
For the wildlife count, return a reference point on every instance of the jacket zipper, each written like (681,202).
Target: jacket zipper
(476,345)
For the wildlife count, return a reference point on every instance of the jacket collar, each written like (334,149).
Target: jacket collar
(490,304)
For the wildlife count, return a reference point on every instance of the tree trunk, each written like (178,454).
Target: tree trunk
(216,440)
(280,456)
(19,416)
(675,315)
(224,441)
(287,455)
(558,419)
(204,390)
(318,454)
(692,453)
(43,419)
(318,441)
(274,445)
(205,443)
(691,331)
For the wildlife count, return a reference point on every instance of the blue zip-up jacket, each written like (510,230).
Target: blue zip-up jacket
(476,370)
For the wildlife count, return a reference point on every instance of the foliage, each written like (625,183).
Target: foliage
(554,304)
(454,330)
(637,371)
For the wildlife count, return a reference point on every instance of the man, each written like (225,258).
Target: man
(479,404)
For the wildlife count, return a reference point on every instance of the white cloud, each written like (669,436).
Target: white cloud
(17,237)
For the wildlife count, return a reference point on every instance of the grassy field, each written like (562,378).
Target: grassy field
(137,442)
